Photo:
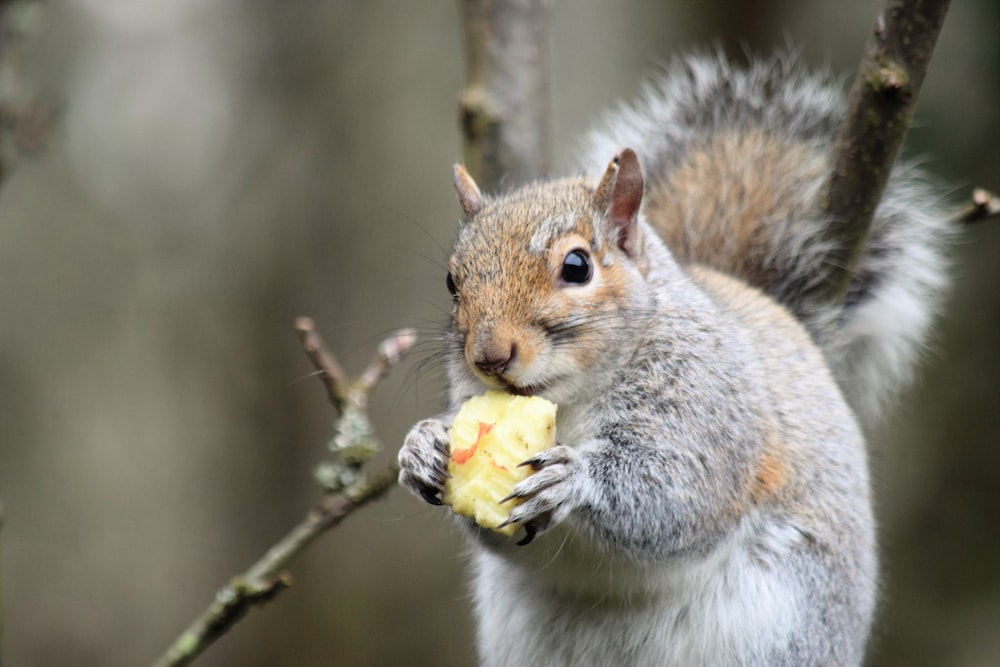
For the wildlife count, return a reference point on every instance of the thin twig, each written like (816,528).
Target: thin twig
(330,372)
(879,112)
(389,354)
(504,108)
(267,577)
(983,206)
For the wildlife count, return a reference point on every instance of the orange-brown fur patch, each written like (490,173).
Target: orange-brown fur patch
(714,206)
(770,478)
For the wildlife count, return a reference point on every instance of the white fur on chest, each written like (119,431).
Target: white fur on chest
(729,607)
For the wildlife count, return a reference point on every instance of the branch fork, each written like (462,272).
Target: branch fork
(345,484)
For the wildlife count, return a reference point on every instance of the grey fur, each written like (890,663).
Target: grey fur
(708,503)
(873,344)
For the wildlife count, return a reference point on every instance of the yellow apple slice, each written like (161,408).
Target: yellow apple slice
(491,436)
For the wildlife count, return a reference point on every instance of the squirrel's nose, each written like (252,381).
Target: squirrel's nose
(494,357)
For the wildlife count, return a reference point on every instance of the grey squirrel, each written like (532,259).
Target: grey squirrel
(708,502)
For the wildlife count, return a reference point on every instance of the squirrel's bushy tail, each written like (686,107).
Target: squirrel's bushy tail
(735,160)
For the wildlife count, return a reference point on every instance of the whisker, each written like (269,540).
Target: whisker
(302,378)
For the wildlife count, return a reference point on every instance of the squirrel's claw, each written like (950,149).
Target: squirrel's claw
(423,460)
(531,529)
(550,456)
(548,495)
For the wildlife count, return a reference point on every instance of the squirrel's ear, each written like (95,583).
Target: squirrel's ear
(469,197)
(619,195)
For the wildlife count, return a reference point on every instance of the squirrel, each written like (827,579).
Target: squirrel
(708,501)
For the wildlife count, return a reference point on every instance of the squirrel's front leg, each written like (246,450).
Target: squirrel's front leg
(423,460)
(551,493)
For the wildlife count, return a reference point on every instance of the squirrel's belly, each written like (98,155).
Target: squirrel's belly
(711,610)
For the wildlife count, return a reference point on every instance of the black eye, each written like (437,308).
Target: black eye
(576,268)
(451,286)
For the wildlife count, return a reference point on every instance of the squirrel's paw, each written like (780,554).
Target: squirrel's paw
(548,495)
(423,460)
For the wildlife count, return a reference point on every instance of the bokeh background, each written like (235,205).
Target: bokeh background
(211,170)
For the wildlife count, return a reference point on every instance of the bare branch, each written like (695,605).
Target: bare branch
(880,110)
(266,578)
(983,206)
(504,107)
(330,372)
(347,489)
(389,354)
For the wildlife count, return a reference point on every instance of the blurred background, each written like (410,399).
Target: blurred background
(203,172)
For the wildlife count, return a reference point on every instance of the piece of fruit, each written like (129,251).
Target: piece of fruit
(491,436)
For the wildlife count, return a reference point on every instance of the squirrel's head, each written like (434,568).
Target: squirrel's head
(545,280)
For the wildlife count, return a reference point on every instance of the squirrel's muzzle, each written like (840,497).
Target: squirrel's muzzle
(491,353)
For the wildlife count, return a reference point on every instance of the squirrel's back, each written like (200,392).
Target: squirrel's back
(735,161)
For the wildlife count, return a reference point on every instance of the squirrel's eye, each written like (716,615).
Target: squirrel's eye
(576,268)
(451,285)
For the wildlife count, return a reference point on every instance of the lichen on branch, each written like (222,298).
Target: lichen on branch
(348,487)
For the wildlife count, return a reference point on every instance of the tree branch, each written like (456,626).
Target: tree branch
(504,107)
(880,110)
(266,578)
(389,354)
(349,489)
(330,372)
(983,206)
